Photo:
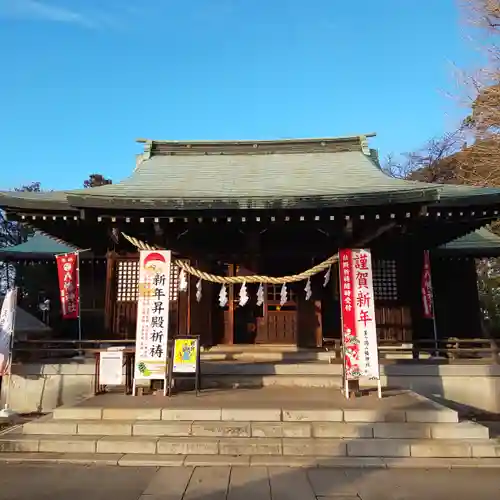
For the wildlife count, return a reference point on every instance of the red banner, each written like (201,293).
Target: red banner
(350,341)
(67,270)
(427,298)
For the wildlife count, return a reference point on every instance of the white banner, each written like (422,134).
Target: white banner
(152,315)
(7,320)
(111,367)
(364,310)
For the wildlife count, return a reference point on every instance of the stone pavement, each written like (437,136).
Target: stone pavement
(40,482)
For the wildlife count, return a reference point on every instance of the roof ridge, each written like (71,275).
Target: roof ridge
(289,140)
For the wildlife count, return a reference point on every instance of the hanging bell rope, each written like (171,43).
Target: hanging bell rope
(256,278)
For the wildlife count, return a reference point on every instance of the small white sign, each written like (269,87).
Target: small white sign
(111,368)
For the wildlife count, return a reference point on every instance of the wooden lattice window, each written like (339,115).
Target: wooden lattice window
(174,282)
(385,280)
(128,281)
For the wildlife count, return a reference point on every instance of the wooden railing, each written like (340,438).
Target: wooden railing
(450,349)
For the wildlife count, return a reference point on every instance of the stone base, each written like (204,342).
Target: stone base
(315,426)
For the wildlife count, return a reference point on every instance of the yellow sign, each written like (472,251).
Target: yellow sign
(185,355)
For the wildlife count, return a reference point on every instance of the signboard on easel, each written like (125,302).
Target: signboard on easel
(151,348)
(185,360)
(111,367)
(359,329)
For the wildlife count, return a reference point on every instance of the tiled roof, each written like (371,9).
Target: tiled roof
(267,174)
(478,243)
(38,246)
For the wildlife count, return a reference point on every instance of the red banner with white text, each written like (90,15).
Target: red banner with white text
(427,297)
(359,330)
(67,270)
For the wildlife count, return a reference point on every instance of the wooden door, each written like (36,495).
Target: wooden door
(279,323)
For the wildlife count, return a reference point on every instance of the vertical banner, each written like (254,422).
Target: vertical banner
(67,270)
(427,293)
(349,338)
(7,320)
(358,315)
(152,315)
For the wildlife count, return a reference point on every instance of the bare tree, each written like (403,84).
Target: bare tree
(434,162)
(480,164)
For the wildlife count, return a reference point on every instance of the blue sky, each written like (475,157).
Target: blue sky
(82,79)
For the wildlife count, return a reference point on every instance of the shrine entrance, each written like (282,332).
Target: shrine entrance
(269,323)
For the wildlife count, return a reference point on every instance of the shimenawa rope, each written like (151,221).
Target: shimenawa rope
(255,278)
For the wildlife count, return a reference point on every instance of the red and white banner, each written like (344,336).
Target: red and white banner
(67,270)
(427,297)
(359,331)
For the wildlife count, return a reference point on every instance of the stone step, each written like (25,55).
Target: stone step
(241,446)
(267,368)
(435,414)
(345,430)
(232,381)
(155,460)
(262,354)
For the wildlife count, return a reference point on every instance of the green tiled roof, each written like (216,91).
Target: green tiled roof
(257,181)
(313,173)
(478,243)
(38,246)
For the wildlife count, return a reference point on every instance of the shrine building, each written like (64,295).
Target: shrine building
(240,208)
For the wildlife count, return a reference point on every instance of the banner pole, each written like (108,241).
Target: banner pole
(80,353)
(433,308)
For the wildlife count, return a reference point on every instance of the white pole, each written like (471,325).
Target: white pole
(80,352)
(379,387)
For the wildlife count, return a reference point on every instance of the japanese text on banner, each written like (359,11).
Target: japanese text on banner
(67,270)
(349,338)
(427,296)
(358,315)
(152,314)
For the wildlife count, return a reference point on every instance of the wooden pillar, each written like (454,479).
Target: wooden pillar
(110,295)
(229,323)
(201,312)
(318,313)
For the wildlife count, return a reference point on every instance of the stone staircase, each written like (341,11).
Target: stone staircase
(238,436)
(247,367)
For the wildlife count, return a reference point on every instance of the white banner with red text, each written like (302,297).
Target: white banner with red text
(152,315)
(359,329)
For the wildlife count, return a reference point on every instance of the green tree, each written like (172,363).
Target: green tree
(12,232)
(96,180)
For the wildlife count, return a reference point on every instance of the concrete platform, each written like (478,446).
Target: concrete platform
(286,398)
